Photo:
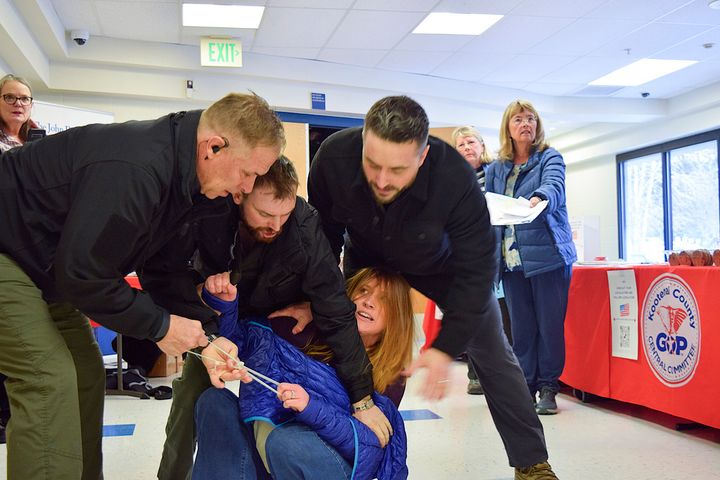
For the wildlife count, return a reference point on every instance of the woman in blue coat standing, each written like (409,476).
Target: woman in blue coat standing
(536,258)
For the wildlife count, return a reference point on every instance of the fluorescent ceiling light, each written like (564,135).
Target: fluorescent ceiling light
(641,72)
(223,16)
(456,23)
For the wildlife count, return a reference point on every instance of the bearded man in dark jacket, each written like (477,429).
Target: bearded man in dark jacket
(79,210)
(284,269)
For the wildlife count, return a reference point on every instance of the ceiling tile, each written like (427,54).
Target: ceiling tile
(159,22)
(553,88)
(367,29)
(362,57)
(414,62)
(297,27)
(693,49)
(78,14)
(310,3)
(584,70)
(310,53)
(434,43)
(650,39)
(696,12)
(397,5)
(527,68)
(515,34)
(494,7)
(641,10)
(466,66)
(556,8)
(583,36)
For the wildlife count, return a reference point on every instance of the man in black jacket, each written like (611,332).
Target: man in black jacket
(79,210)
(411,203)
(283,266)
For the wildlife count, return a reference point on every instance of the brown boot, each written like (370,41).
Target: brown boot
(540,471)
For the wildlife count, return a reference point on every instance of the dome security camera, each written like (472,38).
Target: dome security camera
(80,36)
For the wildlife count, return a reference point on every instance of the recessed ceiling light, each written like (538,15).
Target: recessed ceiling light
(642,71)
(222,16)
(440,23)
(714,4)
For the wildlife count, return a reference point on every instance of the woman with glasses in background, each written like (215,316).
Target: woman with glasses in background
(536,258)
(15,109)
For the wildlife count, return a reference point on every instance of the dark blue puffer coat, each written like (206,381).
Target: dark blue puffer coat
(545,244)
(328,412)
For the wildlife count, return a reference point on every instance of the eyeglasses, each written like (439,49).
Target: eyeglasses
(10,99)
(518,120)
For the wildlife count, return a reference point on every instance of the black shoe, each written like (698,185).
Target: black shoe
(546,405)
(474,387)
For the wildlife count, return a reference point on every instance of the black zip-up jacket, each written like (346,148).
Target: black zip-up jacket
(436,233)
(296,266)
(82,208)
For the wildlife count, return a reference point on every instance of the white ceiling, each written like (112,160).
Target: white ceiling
(548,50)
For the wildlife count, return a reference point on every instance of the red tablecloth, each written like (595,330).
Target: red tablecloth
(591,367)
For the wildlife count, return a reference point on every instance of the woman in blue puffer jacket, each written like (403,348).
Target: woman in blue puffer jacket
(307,430)
(536,258)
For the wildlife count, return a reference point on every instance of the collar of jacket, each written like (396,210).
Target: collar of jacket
(419,187)
(186,126)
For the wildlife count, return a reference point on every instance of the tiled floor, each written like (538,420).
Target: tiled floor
(603,440)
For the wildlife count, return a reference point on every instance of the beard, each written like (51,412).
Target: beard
(260,234)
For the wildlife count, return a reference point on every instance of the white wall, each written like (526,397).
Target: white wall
(591,180)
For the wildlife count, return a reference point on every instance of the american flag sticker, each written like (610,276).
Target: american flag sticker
(624,309)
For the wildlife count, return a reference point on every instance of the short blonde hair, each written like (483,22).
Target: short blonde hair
(248,116)
(507,149)
(470,131)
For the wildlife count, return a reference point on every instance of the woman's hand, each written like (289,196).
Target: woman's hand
(293,396)
(219,285)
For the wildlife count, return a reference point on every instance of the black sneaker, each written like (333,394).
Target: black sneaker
(474,387)
(546,405)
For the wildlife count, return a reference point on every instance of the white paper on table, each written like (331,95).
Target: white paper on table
(622,290)
(506,210)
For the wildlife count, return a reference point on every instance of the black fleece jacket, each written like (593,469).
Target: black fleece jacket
(82,208)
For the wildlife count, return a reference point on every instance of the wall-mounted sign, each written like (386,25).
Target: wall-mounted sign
(317,100)
(220,52)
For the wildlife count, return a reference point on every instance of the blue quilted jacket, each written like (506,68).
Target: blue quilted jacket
(328,412)
(546,243)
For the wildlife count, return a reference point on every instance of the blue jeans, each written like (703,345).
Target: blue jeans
(537,307)
(226,446)
(295,452)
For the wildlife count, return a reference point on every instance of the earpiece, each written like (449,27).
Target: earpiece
(216,148)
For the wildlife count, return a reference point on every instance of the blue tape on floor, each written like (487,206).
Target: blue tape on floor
(408,415)
(118,430)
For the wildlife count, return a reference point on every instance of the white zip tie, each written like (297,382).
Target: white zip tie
(252,373)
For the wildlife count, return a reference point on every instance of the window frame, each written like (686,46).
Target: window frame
(664,149)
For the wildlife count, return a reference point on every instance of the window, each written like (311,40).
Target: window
(669,198)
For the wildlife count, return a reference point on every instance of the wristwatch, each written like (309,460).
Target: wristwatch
(363,405)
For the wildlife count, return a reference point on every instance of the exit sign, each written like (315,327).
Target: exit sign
(220,52)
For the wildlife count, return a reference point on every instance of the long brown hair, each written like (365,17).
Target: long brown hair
(507,148)
(393,351)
